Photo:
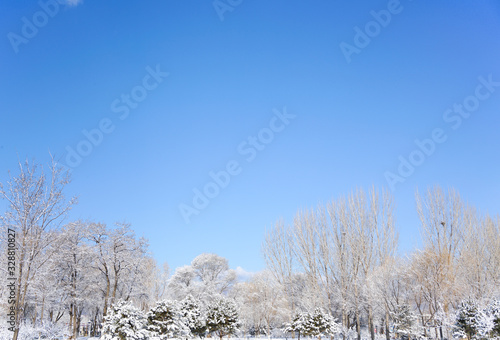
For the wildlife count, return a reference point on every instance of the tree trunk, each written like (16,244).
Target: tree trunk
(115,287)
(33,319)
(344,322)
(71,313)
(43,309)
(17,302)
(76,323)
(358,325)
(370,322)
(358,321)
(16,333)
(106,298)
(423,325)
(93,324)
(387,332)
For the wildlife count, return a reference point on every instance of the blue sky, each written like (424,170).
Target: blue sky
(354,116)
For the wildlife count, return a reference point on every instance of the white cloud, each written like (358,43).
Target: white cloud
(243,274)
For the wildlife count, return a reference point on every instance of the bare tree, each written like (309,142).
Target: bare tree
(337,248)
(119,259)
(78,280)
(262,303)
(278,251)
(445,218)
(310,252)
(442,217)
(364,237)
(156,280)
(36,204)
(490,229)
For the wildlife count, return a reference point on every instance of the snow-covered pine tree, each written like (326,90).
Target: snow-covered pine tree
(487,321)
(124,322)
(494,310)
(466,319)
(317,324)
(299,324)
(192,316)
(322,324)
(222,317)
(403,321)
(484,324)
(165,321)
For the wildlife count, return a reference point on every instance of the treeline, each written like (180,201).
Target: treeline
(65,272)
(334,270)
(344,254)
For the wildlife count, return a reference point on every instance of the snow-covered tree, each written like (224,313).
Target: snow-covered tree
(120,259)
(183,283)
(391,288)
(222,317)
(214,274)
(485,324)
(316,324)
(404,321)
(299,324)
(164,320)
(206,278)
(493,309)
(262,302)
(467,319)
(76,278)
(193,317)
(125,322)
(487,321)
(36,205)
(322,324)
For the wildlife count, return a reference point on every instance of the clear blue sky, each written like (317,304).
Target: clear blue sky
(353,120)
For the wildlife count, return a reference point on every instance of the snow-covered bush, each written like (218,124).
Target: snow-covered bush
(349,333)
(484,324)
(493,310)
(316,325)
(28,332)
(193,317)
(473,322)
(124,322)
(222,317)
(488,321)
(165,321)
